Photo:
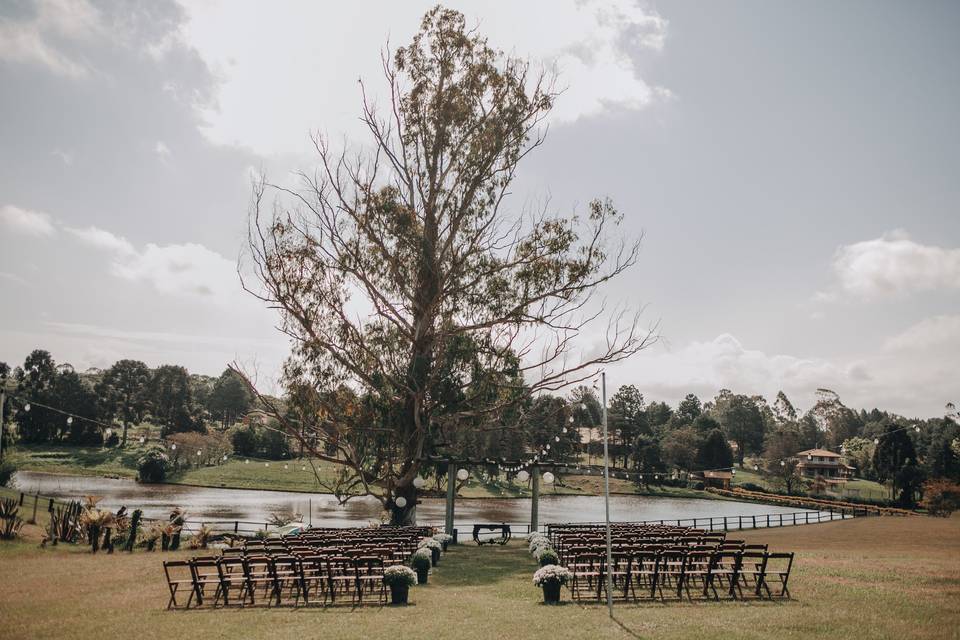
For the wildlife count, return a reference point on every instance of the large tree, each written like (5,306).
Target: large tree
(229,399)
(385,263)
(123,393)
(171,400)
(743,423)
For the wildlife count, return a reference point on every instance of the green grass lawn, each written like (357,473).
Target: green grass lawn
(878,578)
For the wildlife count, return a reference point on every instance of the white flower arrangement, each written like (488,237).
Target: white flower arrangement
(543,551)
(551,573)
(429,543)
(424,552)
(399,574)
(443,537)
(538,540)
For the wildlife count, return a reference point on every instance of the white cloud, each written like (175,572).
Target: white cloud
(101,239)
(12,277)
(907,376)
(936,332)
(31,41)
(162,150)
(26,222)
(65,156)
(300,73)
(181,269)
(892,265)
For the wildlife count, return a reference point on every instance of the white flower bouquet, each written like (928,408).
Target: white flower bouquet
(398,574)
(429,543)
(551,573)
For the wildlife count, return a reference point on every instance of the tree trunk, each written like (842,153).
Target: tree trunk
(405,516)
(123,441)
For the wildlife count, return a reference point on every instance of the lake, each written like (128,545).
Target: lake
(221,506)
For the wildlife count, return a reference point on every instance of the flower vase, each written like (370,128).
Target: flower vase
(551,592)
(399,593)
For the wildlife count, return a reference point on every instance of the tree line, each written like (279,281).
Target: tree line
(54,403)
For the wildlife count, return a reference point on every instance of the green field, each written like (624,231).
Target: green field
(879,578)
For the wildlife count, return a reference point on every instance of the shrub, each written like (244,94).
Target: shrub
(443,537)
(398,575)
(750,486)
(245,440)
(153,465)
(422,560)
(10,522)
(7,469)
(941,497)
(551,573)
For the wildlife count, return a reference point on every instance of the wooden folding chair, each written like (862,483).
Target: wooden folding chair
(286,577)
(259,576)
(313,578)
(753,571)
(779,570)
(179,576)
(233,578)
(341,577)
(725,573)
(206,574)
(369,570)
(587,569)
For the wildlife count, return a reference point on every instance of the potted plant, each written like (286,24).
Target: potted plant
(399,579)
(422,560)
(434,546)
(444,539)
(547,556)
(551,578)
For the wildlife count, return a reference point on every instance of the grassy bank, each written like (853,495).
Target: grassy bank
(290,476)
(868,578)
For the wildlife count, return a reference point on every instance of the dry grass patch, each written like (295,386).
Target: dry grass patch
(867,578)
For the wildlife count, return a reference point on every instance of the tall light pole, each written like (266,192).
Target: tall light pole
(3,402)
(606,493)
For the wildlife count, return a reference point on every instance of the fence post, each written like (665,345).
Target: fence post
(724,523)
(754,518)
(236,526)
(711,523)
(768,521)
(36,499)
(781,519)
(794,518)
(21,498)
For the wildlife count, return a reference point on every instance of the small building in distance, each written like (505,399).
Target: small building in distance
(718,479)
(826,464)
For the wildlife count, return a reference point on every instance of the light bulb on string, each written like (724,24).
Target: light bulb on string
(556,439)
(401,502)
(463,474)
(523,476)
(69,419)
(26,407)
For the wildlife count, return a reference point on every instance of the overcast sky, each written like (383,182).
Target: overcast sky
(793,166)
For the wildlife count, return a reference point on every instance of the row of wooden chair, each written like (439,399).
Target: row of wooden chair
(272,579)
(672,572)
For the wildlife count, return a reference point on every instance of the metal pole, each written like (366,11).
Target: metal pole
(3,401)
(535,498)
(606,494)
(451,494)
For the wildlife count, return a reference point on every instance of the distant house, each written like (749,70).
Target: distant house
(718,479)
(826,464)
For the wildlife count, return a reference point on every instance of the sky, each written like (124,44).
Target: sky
(792,167)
